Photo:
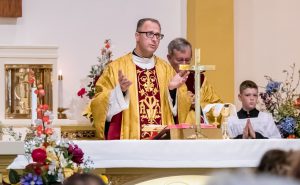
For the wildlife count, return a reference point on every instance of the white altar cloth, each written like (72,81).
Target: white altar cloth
(176,153)
(11,147)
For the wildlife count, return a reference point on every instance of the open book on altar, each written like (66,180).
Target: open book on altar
(182,131)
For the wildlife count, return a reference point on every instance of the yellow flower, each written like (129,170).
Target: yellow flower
(52,157)
(76,169)
(5,179)
(104,178)
(68,172)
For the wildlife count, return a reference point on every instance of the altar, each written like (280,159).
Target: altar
(8,152)
(138,162)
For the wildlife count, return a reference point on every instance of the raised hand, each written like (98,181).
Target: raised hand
(179,79)
(123,81)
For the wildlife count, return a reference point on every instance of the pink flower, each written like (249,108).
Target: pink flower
(39,155)
(39,130)
(40,86)
(70,149)
(81,92)
(77,154)
(297,103)
(49,131)
(45,107)
(41,92)
(31,80)
(39,113)
(45,119)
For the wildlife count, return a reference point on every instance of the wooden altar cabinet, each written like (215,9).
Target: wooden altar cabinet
(134,161)
(8,152)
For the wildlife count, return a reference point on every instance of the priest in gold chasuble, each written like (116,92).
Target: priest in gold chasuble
(180,52)
(137,89)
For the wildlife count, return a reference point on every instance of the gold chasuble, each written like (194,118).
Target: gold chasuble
(148,94)
(208,95)
(184,104)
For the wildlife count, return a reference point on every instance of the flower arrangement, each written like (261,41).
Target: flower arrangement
(283,102)
(9,131)
(50,160)
(96,70)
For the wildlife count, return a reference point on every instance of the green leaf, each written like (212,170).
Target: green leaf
(68,165)
(51,179)
(14,177)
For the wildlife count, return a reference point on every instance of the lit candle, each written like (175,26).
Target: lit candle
(60,90)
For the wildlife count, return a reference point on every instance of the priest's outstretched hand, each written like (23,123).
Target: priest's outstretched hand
(179,79)
(123,81)
(249,132)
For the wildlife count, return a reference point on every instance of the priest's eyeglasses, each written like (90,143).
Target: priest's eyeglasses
(151,35)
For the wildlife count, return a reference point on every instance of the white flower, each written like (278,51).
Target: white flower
(47,113)
(51,117)
(95,67)
(50,149)
(63,161)
(64,143)
(50,114)
(51,169)
(60,176)
(38,122)
(42,136)
(53,137)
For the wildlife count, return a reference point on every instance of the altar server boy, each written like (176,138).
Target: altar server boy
(250,123)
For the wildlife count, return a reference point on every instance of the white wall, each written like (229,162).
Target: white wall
(267,39)
(79,27)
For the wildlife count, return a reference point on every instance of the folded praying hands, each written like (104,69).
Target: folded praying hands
(249,132)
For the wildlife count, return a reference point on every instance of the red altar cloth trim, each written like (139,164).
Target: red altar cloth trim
(186,125)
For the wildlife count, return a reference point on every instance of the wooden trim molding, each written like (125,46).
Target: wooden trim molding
(10,8)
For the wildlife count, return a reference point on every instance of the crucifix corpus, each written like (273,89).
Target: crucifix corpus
(198,69)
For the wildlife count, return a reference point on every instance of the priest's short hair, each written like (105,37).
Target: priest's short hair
(179,44)
(141,22)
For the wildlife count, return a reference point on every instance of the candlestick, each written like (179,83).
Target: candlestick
(60,109)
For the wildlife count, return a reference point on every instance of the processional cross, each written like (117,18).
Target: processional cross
(198,69)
